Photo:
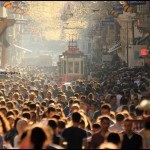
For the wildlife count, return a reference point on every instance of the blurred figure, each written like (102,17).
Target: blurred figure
(108,145)
(96,127)
(98,138)
(145,133)
(114,138)
(20,126)
(131,140)
(74,136)
(35,137)
(118,126)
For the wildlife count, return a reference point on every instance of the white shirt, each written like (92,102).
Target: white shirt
(116,128)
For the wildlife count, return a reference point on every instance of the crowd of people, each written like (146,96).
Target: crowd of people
(109,111)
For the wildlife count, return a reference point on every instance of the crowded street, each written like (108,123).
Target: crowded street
(71,80)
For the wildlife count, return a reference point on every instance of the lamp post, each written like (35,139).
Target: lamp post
(127,46)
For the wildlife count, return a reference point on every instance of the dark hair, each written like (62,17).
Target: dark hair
(10,103)
(83,97)
(119,117)
(4,108)
(56,116)
(106,106)
(113,138)
(61,124)
(38,137)
(25,109)
(123,100)
(76,95)
(96,125)
(112,96)
(32,106)
(76,116)
(9,113)
(104,118)
(16,111)
(53,123)
(2,103)
(71,101)
(43,103)
(51,101)
(51,109)
(76,102)
(138,111)
(26,115)
(132,108)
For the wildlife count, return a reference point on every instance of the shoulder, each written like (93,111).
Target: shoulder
(96,134)
(137,135)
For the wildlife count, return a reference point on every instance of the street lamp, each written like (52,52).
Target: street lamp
(127,46)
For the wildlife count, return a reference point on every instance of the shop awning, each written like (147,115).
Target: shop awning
(25,49)
(115,47)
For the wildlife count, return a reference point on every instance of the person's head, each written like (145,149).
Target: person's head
(32,106)
(4,110)
(83,98)
(16,111)
(36,137)
(26,115)
(51,111)
(49,94)
(21,125)
(139,111)
(96,127)
(53,123)
(10,105)
(3,103)
(113,99)
(32,96)
(114,138)
(61,125)
(124,100)
(119,118)
(76,117)
(75,107)
(128,124)
(105,109)
(25,109)
(63,87)
(90,96)
(105,122)
(16,95)
(76,95)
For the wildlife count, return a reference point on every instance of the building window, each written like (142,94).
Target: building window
(81,67)
(64,67)
(70,67)
(76,67)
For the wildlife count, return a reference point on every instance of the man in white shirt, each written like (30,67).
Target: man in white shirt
(118,126)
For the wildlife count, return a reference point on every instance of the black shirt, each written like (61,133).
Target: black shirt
(135,142)
(74,137)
